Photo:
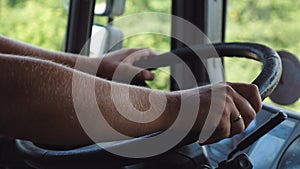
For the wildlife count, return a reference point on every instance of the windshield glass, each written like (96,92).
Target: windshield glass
(270,22)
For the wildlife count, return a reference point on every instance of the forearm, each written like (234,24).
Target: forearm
(143,112)
(10,46)
(101,66)
(37,103)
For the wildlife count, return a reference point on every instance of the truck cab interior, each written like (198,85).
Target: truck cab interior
(96,27)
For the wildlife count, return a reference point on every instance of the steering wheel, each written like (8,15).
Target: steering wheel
(94,156)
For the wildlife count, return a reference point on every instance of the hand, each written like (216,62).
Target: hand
(235,106)
(122,61)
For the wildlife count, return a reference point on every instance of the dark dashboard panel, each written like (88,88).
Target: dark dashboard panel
(276,149)
(290,158)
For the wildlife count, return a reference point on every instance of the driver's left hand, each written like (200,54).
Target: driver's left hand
(118,65)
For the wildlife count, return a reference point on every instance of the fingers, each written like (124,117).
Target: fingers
(126,72)
(237,123)
(245,109)
(118,65)
(242,103)
(246,100)
(145,74)
(237,127)
(139,53)
(249,92)
(136,55)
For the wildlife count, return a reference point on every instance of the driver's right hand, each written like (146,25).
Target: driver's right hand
(225,109)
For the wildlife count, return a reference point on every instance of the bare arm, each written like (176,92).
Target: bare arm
(37,104)
(109,62)
(10,46)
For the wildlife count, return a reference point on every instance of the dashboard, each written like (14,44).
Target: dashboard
(278,149)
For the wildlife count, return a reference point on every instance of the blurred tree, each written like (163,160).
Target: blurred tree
(38,22)
(271,22)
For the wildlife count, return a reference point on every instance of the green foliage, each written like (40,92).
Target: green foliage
(245,11)
(271,22)
(134,6)
(38,22)
(160,43)
(13,3)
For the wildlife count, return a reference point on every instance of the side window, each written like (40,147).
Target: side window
(159,42)
(143,26)
(273,23)
(39,22)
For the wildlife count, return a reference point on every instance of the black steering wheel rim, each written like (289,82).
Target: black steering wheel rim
(266,82)
(271,72)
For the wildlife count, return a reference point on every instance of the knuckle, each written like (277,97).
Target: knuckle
(229,89)
(131,50)
(254,87)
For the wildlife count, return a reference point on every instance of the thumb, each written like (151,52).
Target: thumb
(126,73)
(145,75)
